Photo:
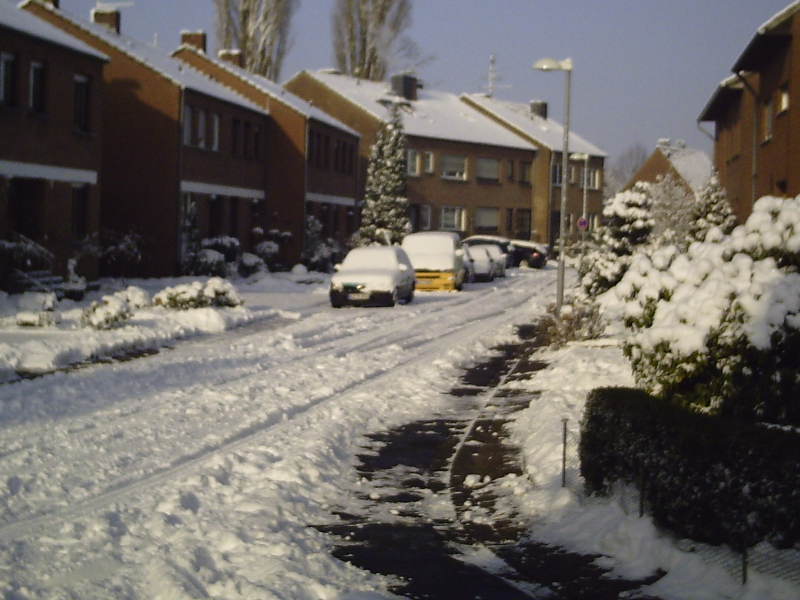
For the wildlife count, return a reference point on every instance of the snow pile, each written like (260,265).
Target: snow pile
(215,292)
(715,327)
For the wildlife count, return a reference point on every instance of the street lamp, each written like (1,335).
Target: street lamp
(551,64)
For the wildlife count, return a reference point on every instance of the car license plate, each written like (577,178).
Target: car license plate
(357,296)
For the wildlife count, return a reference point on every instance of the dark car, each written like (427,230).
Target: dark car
(529,253)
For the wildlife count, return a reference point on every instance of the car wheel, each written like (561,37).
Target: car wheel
(393,298)
(410,296)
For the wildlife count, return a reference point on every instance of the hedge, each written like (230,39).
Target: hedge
(707,478)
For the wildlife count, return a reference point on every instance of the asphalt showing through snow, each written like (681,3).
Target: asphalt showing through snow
(457,455)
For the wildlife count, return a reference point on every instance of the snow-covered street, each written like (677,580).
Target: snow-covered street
(199,468)
(200,471)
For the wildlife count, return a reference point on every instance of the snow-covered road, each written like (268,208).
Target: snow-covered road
(196,472)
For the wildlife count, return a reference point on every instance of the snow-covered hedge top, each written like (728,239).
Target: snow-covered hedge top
(681,298)
(215,292)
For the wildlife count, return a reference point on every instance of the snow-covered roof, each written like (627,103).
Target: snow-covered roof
(766,39)
(158,60)
(547,132)
(779,17)
(307,109)
(435,114)
(24,22)
(694,166)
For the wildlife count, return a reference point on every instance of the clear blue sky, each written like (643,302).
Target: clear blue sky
(644,69)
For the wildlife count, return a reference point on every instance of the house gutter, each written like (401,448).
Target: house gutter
(754,165)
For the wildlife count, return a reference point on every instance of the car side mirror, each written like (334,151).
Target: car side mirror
(337,266)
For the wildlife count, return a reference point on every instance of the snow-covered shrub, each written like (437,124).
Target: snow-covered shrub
(44,318)
(215,292)
(249,264)
(319,252)
(226,245)
(106,313)
(267,249)
(207,262)
(135,296)
(718,328)
(707,478)
(270,249)
(580,320)
(628,223)
(710,211)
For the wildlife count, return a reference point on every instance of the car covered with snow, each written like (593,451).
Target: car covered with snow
(503,244)
(381,275)
(480,266)
(498,257)
(528,253)
(437,258)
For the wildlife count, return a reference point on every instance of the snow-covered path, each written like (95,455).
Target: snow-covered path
(195,472)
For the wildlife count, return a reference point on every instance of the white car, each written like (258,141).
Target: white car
(380,275)
(479,263)
(497,256)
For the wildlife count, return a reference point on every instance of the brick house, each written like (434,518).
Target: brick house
(531,123)
(312,169)
(690,168)
(461,165)
(51,94)
(183,156)
(756,140)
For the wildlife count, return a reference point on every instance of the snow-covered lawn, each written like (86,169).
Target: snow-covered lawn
(196,472)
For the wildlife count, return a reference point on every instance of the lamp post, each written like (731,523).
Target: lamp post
(551,64)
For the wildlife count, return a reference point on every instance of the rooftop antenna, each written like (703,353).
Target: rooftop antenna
(493,77)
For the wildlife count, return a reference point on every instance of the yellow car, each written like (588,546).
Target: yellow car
(437,258)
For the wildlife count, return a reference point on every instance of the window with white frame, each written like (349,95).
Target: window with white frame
(187,125)
(412,162)
(488,169)
(573,174)
(427,162)
(36,97)
(557,174)
(424,217)
(215,132)
(593,179)
(8,71)
(452,218)
(454,167)
(487,220)
(201,128)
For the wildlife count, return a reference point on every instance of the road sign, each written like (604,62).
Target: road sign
(583,223)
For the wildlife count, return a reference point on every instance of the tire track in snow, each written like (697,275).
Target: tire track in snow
(436,334)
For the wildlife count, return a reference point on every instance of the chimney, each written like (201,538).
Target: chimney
(110,17)
(405,85)
(235,57)
(539,108)
(196,39)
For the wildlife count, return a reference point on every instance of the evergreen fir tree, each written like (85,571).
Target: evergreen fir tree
(384,217)
(711,210)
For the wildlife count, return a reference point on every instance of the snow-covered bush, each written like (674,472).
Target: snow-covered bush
(249,264)
(106,313)
(135,296)
(580,320)
(207,262)
(710,211)
(215,292)
(628,223)
(44,318)
(319,252)
(226,245)
(718,328)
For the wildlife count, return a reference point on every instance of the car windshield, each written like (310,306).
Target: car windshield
(370,258)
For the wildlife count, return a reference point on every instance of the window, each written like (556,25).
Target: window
(215,132)
(201,128)
(593,179)
(427,162)
(452,218)
(412,162)
(454,167)
(509,220)
(80,95)
(8,79)
(187,125)
(215,216)
(783,99)
(525,172)
(511,169)
(248,140)
(424,216)
(557,176)
(36,88)
(312,147)
(523,222)
(235,135)
(767,120)
(488,169)
(233,217)
(487,220)
(256,142)
(326,152)
(80,211)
